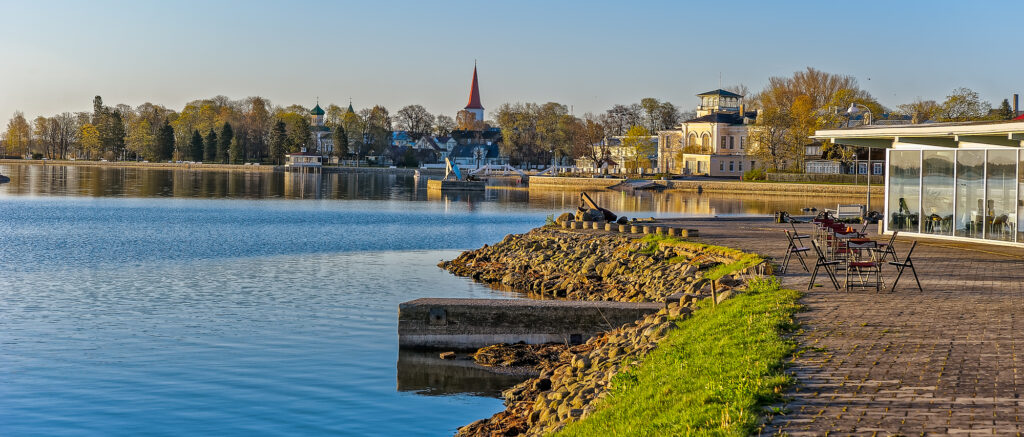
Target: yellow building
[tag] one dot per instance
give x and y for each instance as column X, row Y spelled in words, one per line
column 715, row 143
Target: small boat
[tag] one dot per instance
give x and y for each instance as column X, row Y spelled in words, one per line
column 4, row 179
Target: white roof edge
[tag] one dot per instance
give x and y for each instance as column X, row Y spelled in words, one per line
column 922, row 130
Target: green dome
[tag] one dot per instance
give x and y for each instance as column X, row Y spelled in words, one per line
column 317, row 110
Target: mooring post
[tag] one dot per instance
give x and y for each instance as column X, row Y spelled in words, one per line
column 714, row 294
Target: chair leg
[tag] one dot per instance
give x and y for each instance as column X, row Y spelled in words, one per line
column 785, row 261
column 914, row 271
column 802, row 262
column 832, row 277
column 897, row 280
column 814, row 274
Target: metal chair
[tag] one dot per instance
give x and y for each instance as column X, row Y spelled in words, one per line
column 796, row 234
column 906, row 263
column 860, row 268
column 823, row 262
column 888, row 249
column 793, row 249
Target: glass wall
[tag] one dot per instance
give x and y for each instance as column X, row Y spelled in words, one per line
column 1000, row 195
column 970, row 193
column 1020, row 201
column 937, row 192
column 904, row 190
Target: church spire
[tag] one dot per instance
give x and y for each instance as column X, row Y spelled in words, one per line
column 474, row 93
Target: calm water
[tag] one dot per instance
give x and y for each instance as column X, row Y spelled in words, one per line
column 196, row 303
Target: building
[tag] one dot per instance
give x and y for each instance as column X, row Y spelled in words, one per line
column 323, row 143
column 816, row 161
column 958, row 181
column 473, row 156
column 715, row 143
column 620, row 158
column 303, row 159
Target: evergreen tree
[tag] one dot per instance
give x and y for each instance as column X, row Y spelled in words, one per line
column 340, row 140
column 235, row 152
column 278, row 142
column 165, row 142
column 224, row 140
column 1005, row 112
column 210, row 147
column 196, row 146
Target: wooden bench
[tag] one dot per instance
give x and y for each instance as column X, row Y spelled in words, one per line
column 848, row 211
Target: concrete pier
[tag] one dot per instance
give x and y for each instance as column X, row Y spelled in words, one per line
column 434, row 184
column 475, row 323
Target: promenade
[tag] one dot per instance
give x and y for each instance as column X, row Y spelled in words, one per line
column 945, row 361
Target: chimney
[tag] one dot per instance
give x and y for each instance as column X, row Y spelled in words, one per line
column 1015, row 99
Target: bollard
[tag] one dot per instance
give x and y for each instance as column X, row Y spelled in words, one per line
column 660, row 230
column 565, row 224
column 586, row 224
column 647, row 229
column 635, row 229
column 599, row 225
column 611, row 227
column 574, row 225
column 674, row 232
column 624, row 228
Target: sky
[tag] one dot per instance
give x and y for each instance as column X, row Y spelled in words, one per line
column 589, row 55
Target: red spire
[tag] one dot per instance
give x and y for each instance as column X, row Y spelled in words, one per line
column 474, row 93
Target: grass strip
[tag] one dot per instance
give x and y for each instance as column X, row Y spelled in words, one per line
column 713, row 376
column 741, row 259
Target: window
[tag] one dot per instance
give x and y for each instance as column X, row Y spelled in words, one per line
column 904, row 186
column 741, row 165
column 970, row 193
column 937, row 191
column 743, row 140
column 723, row 142
column 752, row 166
column 721, row 166
column 1000, row 202
column 732, row 142
column 876, row 168
column 731, row 167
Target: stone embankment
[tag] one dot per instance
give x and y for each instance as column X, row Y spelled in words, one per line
column 591, row 265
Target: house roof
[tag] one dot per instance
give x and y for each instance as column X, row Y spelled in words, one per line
column 720, row 93
column 317, row 110
column 474, row 94
column 723, row 117
column 467, row 150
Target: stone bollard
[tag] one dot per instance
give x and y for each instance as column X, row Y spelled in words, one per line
column 586, row 224
column 574, row 225
column 674, row 232
column 660, row 230
column 648, row 229
column 624, row 228
column 611, row 227
column 599, row 225
column 565, row 224
column 636, row 229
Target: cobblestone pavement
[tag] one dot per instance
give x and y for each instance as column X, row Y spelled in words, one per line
column 943, row 361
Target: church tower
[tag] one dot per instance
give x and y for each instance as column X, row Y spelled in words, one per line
column 317, row 116
column 474, row 105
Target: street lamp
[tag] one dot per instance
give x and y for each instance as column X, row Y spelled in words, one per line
column 850, row 112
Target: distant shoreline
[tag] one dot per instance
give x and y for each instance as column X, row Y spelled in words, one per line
column 213, row 167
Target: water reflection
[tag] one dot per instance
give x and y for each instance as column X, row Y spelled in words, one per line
column 426, row 374
column 92, row 181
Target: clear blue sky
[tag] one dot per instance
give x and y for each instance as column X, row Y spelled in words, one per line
column 589, row 54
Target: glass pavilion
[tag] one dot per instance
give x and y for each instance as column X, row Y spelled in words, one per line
column 962, row 181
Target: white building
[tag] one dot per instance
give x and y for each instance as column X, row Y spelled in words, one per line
column 715, row 143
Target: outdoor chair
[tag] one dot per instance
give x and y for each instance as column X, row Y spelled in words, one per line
column 794, row 249
column 906, row 263
column 888, row 249
column 823, row 262
column 796, row 234
column 862, row 268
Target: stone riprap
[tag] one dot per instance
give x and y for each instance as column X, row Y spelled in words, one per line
column 592, row 265
column 569, row 391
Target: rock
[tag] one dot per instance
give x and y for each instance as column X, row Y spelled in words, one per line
column 447, row 355
column 564, row 217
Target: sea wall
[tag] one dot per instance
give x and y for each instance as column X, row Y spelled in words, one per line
column 218, row 167
column 591, row 265
column 711, row 186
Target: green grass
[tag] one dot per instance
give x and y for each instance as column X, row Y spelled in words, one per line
column 713, row 376
column 741, row 259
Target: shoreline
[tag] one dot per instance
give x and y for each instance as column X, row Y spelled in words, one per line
column 598, row 265
column 214, row 167
column 709, row 186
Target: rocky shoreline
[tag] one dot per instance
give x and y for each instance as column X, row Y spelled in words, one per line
column 591, row 265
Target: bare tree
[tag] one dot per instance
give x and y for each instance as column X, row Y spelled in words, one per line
column 414, row 119
column 443, row 125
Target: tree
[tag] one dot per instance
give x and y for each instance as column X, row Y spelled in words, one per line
column 224, row 141
column 588, row 141
column 443, row 125
column 210, row 147
column 165, row 142
column 920, row 111
column 520, row 139
column 414, row 119
column 638, row 143
column 354, row 127
column 1005, row 112
column 140, row 140
column 18, row 135
column 340, row 140
column 554, row 128
column 964, row 104
column 332, row 116
column 89, row 137
column 669, row 116
column 235, row 152
column 769, row 135
column 196, row 146
column 278, row 142
column 67, row 133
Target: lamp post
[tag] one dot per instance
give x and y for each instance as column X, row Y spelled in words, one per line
column 850, row 112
